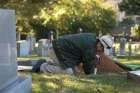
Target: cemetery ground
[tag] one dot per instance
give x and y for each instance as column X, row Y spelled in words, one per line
column 100, row 83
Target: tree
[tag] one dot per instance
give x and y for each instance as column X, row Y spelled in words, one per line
column 135, row 31
column 67, row 16
column 131, row 7
column 126, row 25
column 25, row 10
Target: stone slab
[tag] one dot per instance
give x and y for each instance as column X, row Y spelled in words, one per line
column 26, row 65
column 20, row 85
column 25, row 68
column 9, row 81
column 8, row 64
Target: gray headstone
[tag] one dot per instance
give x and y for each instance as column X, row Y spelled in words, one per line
column 129, row 49
column 8, row 64
column 52, row 36
column 31, row 40
column 122, row 46
column 114, row 51
column 44, row 45
column 24, row 48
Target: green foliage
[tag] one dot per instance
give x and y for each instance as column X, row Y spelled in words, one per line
column 69, row 16
column 127, row 22
column 100, row 83
column 131, row 7
column 126, row 25
column 40, row 30
column 66, row 16
column 135, row 31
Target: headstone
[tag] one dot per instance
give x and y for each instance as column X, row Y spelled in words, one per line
column 9, row 81
column 51, row 36
column 108, row 52
column 129, row 50
column 57, row 34
column 114, row 51
column 31, row 40
column 122, row 46
column 24, row 49
column 43, row 47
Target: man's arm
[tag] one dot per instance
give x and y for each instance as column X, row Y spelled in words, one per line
column 88, row 67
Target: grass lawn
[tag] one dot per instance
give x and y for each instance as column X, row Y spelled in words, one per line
column 31, row 57
column 130, row 60
column 100, row 83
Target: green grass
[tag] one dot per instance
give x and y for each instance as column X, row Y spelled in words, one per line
column 130, row 60
column 30, row 57
column 101, row 83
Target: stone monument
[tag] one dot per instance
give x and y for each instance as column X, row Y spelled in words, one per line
column 129, row 49
column 43, row 47
column 24, row 49
column 9, row 81
column 122, row 46
column 31, row 40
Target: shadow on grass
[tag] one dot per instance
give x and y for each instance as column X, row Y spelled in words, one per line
column 115, row 83
column 135, row 57
column 102, row 83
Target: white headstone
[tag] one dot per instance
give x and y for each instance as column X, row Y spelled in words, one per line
column 8, row 64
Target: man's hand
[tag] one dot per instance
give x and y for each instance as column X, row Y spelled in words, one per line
column 78, row 70
column 97, row 56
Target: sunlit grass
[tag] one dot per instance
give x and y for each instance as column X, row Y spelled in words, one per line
column 135, row 59
column 30, row 57
column 101, row 83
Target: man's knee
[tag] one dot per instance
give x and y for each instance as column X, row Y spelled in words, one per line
column 43, row 67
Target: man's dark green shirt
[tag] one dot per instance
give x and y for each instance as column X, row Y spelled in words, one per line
column 71, row 50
